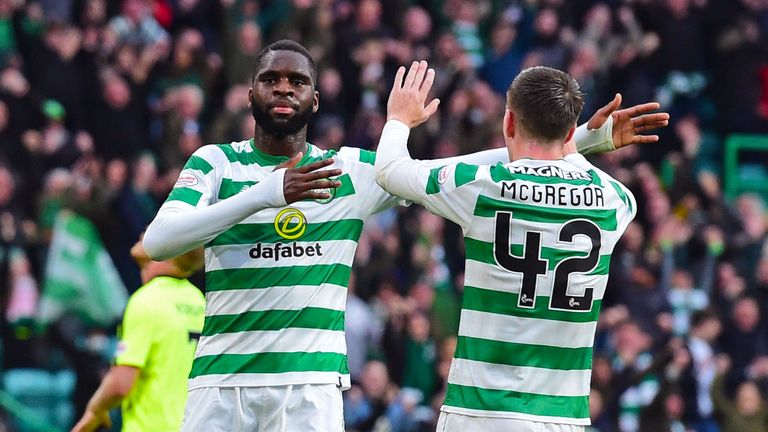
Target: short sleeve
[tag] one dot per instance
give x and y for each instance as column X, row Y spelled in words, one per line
column 136, row 335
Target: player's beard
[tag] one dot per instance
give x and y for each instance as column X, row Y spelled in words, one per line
column 280, row 128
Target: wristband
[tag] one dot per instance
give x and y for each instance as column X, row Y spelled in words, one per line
column 598, row 140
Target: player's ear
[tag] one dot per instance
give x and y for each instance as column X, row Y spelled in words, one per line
column 250, row 97
column 509, row 124
column 316, row 102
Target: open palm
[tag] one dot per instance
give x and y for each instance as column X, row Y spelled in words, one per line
column 628, row 123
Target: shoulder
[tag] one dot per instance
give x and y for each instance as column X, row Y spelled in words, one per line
column 356, row 161
column 622, row 193
column 456, row 176
column 357, row 155
column 236, row 151
column 142, row 303
column 192, row 292
column 211, row 156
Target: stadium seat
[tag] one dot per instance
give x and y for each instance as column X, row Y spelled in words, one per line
column 745, row 175
column 46, row 394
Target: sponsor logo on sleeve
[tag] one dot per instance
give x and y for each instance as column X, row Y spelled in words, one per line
column 122, row 347
column 442, row 175
column 186, row 180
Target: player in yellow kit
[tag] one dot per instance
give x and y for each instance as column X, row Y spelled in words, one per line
column 161, row 325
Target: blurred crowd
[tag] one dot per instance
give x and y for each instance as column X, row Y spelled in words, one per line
column 101, row 103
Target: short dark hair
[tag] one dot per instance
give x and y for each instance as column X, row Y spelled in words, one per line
column 285, row 45
column 702, row 316
column 546, row 102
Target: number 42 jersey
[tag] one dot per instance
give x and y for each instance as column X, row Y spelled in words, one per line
column 539, row 236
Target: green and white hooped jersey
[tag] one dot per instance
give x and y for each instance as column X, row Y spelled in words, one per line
column 276, row 283
column 539, row 236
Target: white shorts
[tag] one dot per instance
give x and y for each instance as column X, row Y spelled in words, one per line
column 291, row 408
column 450, row 422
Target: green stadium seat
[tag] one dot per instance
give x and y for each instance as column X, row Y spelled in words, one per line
column 741, row 176
column 45, row 394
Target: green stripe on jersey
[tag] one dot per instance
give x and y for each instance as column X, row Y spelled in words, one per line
column 345, row 229
column 433, row 186
column 501, row 173
column 511, row 401
column 258, row 278
column 346, row 188
column 464, row 174
column 595, row 178
column 256, row 156
column 505, row 303
column 231, row 188
column 518, row 354
column 624, row 197
column 272, row 362
column 198, row 163
column 309, row 318
column 487, row 207
column 184, row 194
column 243, row 157
column 480, row 251
column 367, row 156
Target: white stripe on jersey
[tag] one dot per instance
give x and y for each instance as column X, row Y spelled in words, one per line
column 532, row 331
column 233, row 302
column 283, row 340
column 519, row 378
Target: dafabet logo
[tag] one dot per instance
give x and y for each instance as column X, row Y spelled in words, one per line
column 290, row 224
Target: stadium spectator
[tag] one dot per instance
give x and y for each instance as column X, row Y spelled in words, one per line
column 748, row 411
column 744, row 340
column 135, row 25
column 362, row 331
column 696, row 381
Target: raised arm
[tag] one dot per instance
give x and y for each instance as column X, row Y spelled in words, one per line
column 609, row 129
column 396, row 172
column 180, row 227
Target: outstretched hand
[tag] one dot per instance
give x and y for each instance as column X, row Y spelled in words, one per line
column 628, row 123
column 407, row 100
column 308, row 181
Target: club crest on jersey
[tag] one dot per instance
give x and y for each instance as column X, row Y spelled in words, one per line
column 329, row 191
column 290, row 223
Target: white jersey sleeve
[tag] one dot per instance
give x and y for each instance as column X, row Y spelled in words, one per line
column 372, row 198
column 446, row 190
